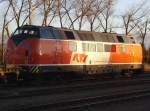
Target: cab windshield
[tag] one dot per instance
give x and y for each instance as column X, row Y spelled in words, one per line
column 26, row 32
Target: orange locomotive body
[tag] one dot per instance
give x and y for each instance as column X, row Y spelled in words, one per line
column 38, row 49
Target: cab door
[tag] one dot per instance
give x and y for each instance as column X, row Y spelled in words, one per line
column 26, row 60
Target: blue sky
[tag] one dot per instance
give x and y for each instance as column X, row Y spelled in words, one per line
column 122, row 5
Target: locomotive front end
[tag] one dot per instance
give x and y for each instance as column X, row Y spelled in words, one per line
column 22, row 47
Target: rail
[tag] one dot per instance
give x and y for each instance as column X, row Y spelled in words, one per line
column 76, row 97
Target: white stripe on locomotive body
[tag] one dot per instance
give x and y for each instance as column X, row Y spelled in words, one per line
column 78, row 64
column 93, row 58
column 89, row 57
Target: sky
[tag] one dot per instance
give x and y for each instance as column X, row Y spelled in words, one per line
column 120, row 7
column 122, row 4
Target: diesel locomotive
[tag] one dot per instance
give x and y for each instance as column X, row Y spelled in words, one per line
column 42, row 49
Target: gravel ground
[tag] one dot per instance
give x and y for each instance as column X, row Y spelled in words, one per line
column 142, row 104
column 28, row 101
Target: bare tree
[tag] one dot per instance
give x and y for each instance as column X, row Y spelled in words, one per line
column 133, row 16
column 59, row 12
column 67, row 6
column 136, row 20
column 96, row 9
column 4, row 28
column 143, row 28
column 29, row 7
column 104, row 17
column 72, row 12
column 30, row 11
column 17, row 9
column 82, row 7
column 47, row 8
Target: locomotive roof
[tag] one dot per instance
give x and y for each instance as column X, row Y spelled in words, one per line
column 86, row 35
column 65, row 29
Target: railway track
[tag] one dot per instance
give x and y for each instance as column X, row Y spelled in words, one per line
column 73, row 96
column 83, row 103
column 74, row 87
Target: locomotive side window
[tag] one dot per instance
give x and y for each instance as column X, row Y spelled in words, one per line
column 107, row 48
column 85, row 46
column 72, row 46
column 31, row 32
column 69, row 35
column 46, row 33
column 120, row 39
column 57, row 34
column 17, row 32
column 110, row 48
column 122, row 49
column 25, row 31
column 99, row 47
column 92, row 47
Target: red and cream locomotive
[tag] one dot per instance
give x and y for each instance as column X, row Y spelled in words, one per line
column 39, row 49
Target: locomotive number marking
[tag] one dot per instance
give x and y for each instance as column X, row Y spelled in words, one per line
column 79, row 57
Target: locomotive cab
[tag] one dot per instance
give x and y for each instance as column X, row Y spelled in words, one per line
column 22, row 45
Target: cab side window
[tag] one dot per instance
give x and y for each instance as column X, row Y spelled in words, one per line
column 69, row 35
column 92, row 47
column 72, row 46
column 107, row 48
column 99, row 47
column 46, row 33
column 85, row 46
